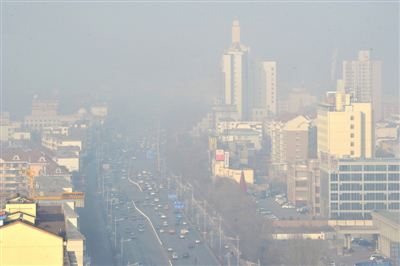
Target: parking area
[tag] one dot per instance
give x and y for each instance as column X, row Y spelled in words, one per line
column 334, row 252
column 281, row 213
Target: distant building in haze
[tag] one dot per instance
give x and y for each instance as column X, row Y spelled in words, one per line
column 247, row 84
column 363, row 79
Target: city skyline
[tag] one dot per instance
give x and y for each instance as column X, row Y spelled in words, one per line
column 43, row 51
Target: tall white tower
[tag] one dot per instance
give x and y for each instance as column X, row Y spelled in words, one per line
column 363, row 79
column 235, row 68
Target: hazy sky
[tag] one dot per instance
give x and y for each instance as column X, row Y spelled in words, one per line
column 177, row 47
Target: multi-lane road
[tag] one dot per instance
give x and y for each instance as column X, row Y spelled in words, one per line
column 153, row 245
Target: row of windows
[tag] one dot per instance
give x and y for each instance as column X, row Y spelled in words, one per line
column 367, row 206
column 377, row 168
column 367, row 187
column 367, row 177
column 367, row 196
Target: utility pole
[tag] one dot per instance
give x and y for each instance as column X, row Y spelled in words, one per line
column 238, row 252
column 220, row 237
column 192, row 203
column 211, row 238
column 158, row 149
column 205, row 221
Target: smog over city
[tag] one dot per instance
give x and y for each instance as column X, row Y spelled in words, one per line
column 199, row 133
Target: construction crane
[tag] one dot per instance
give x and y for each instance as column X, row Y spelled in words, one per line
column 80, row 196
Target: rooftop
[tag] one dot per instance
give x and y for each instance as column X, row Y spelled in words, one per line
column 393, row 216
column 74, row 233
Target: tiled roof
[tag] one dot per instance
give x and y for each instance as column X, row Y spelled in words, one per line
column 286, row 117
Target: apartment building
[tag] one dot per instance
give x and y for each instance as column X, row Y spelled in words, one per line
column 345, row 129
column 289, row 139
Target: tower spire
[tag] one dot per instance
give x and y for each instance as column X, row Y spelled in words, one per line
column 235, row 31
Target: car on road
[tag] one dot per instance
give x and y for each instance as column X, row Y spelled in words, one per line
column 133, row 236
column 185, row 255
column 127, row 230
column 165, row 224
column 175, row 255
column 163, row 216
column 170, row 249
column 197, row 241
column 162, row 231
column 190, row 245
column 182, row 236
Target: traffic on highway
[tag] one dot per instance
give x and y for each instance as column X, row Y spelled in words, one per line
column 144, row 208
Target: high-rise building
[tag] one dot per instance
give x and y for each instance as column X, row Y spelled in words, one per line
column 345, row 129
column 235, row 68
column 248, row 84
column 363, row 78
column 263, row 87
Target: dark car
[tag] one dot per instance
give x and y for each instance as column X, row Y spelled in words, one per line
column 364, row 243
column 185, row 255
column 190, row 245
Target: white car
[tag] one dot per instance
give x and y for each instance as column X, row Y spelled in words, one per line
column 162, row 231
column 170, row 249
column 163, row 216
column 182, row 236
column 197, row 241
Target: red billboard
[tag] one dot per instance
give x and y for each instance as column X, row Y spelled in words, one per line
column 219, row 155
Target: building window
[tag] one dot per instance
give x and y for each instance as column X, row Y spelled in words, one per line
column 356, row 168
column 351, row 135
column 334, row 187
column 380, row 177
column 369, row 187
column 380, row 196
column 393, row 186
column 369, row 196
column 352, row 144
column 394, row 177
column 369, row 168
column 334, row 206
column 16, row 158
column 394, row 196
column 344, row 177
column 345, row 196
column 394, row 168
column 380, row 167
column 369, row 206
column 380, row 186
column 334, row 177
column 369, row 177
column 334, row 196
column 345, row 187
column 394, row 206
column 344, row 168
column 380, row 206
column 351, row 152
column 351, row 117
column 351, row 126
column 345, row 206
column 356, row 177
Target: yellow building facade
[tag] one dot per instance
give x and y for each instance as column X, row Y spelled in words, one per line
column 346, row 129
column 23, row 244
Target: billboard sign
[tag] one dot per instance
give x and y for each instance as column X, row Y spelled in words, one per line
column 171, row 196
column 226, row 159
column 179, row 205
column 219, row 155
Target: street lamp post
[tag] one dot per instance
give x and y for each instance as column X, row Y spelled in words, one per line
column 115, row 230
column 122, row 249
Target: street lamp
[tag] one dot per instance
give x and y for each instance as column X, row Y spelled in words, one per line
column 237, row 248
column 122, row 248
column 115, row 230
column 220, row 235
